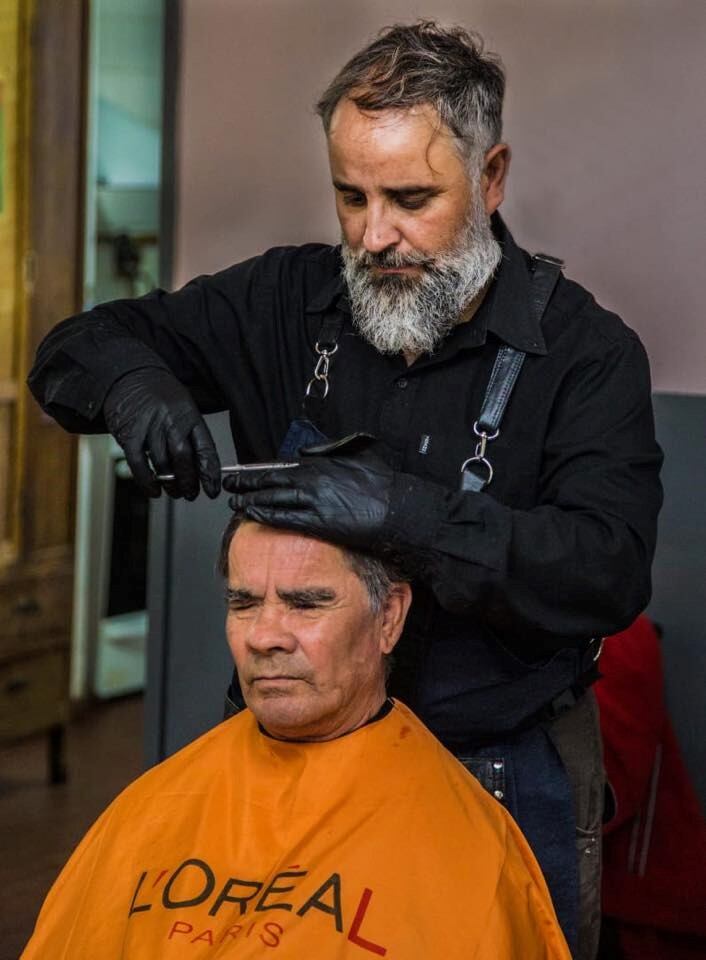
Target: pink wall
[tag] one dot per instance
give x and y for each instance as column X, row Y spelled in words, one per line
column 604, row 113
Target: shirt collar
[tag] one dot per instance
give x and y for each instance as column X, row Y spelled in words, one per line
column 509, row 314
column 505, row 311
column 331, row 292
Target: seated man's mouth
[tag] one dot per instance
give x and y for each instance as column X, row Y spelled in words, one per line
column 281, row 678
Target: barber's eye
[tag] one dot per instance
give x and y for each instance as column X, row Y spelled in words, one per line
column 413, row 202
column 354, row 199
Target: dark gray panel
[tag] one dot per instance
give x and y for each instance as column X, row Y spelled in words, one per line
column 189, row 666
column 679, row 572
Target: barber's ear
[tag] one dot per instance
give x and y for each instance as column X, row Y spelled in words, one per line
column 494, row 176
column 394, row 614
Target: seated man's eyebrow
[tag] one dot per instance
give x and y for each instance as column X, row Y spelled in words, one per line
column 237, row 595
column 308, row 597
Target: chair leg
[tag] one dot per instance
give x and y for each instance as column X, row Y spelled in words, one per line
column 56, row 743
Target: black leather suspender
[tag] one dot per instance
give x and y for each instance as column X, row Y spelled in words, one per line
column 477, row 471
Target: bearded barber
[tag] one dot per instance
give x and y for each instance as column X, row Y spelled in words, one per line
column 514, row 455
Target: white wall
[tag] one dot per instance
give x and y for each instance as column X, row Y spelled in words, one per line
column 604, row 113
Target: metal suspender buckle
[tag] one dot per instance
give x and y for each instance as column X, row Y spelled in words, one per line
column 479, row 455
column 321, row 370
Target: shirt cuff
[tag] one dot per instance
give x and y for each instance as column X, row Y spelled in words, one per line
column 84, row 390
column 470, row 527
column 416, row 510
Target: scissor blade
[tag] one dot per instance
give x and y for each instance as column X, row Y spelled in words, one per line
column 236, row 468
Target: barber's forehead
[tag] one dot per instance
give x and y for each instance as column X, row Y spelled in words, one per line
column 422, row 115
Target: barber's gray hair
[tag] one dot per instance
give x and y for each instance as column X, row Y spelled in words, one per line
column 377, row 575
column 425, row 63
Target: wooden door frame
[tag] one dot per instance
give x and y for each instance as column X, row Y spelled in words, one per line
column 55, row 261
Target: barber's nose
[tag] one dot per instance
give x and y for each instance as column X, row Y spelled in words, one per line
column 380, row 230
column 269, row 630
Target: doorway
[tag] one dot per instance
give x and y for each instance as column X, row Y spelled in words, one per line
column 122, row 258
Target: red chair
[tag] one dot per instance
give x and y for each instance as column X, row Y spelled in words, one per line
column 654, row 879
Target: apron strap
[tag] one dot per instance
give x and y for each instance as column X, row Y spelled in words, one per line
column 330, row 331
column 477, row 471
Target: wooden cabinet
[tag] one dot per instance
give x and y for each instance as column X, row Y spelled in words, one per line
column 33, row 605
column 41, row 53
column 30, row 688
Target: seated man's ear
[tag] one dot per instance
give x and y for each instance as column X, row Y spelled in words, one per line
column 394, row 614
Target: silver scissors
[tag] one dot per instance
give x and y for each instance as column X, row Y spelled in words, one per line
column 236, row 468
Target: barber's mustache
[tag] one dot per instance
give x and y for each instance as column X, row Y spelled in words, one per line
column 392, row 259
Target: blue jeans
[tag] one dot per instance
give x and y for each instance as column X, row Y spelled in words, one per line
column 527, row 775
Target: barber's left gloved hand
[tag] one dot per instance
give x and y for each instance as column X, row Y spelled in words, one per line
column 340, row 492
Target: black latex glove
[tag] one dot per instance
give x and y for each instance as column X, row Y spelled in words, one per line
column 340, row 492
column 149, row 411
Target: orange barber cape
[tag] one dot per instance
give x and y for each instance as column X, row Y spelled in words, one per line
column 378, row 844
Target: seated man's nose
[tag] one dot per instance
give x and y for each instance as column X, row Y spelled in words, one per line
column 269, row 631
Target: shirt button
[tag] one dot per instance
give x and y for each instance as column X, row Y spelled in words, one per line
column 402, row 383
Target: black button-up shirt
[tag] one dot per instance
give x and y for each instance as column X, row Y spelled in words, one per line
column 555, row 551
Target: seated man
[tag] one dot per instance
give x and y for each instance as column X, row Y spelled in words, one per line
column 324, row 821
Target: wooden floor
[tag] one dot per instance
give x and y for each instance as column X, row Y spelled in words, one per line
column 40, row 825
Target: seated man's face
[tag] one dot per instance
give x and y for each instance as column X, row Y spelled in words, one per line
column 307, row 645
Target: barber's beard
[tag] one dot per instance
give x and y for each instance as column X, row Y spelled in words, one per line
column 413, row 314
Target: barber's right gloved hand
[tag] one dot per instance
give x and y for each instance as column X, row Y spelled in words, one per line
column 149, row 412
